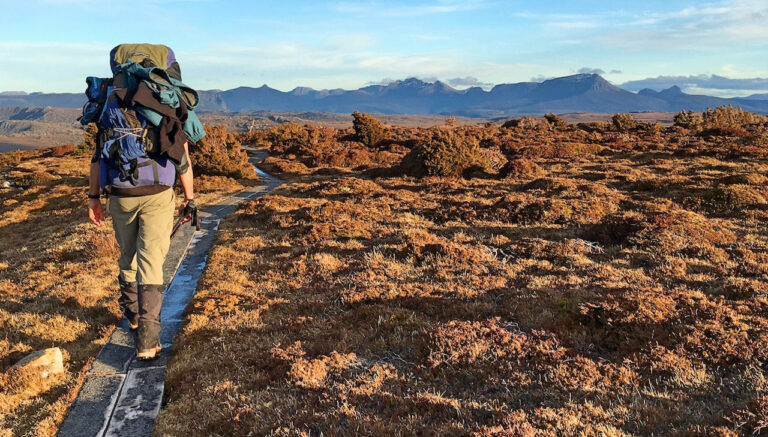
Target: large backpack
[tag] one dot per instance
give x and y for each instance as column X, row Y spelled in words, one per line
column 128, row 156
column 146, row 55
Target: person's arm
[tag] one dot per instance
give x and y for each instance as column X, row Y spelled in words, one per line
column 186, row 180
column 95, row 213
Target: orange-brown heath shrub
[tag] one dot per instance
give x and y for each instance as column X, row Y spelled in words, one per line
column 444, row 153
column 219, row 154
column 368, row 130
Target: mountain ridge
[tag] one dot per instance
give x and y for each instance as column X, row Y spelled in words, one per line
column 575, row 93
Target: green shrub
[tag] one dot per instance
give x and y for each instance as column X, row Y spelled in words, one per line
column 368, row 130
column 219, row 153
column 444, row 153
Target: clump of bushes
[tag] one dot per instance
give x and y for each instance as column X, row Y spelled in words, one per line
column 510, row 124
column 732, row 198
column 530, row 210
column 729, row 117
column 527, row 123
column 521, row 168
column 688, row 119
column 368, row 130
column 287, row 138
column 623, row 122
column 555, row 121
column 721, row 121
column 219, row 153
column 593, row 126
column 444, row 153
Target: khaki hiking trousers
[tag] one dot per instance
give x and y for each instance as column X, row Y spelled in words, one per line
column 143, row 227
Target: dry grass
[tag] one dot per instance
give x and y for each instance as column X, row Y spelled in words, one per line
column 57, row 286
column 621, row 291
column 58, row 281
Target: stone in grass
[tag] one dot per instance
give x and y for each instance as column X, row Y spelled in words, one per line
column 46, row 363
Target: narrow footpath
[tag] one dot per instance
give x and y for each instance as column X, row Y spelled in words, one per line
column 121, row 396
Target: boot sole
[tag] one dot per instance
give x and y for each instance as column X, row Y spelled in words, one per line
column 149, row 353
column 133, row 326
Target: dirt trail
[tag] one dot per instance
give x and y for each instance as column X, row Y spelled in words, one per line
column 121, row 396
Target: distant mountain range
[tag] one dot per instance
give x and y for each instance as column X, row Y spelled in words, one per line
column 577, row 93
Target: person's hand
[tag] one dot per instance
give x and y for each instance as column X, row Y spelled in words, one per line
column 186, row 207
column 95, row 213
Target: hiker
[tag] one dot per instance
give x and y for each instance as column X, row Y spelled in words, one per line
column 146, row 120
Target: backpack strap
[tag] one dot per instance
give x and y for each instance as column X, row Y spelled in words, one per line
column 155, row 173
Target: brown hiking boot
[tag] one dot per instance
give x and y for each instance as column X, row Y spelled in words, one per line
column 148, row 341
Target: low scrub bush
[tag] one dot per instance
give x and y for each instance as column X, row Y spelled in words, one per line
column 511, row 124
column 530, row 210
column 62, row 150
column 219, row 154
column 689, row 120
column 368, row 130
column 555, row 121
column 623, row 122
column 732, row 198
column 729, row 117
column 347, row 157
column 533, row 123
column 287, row 138
column 444, row 153
column 521, row 168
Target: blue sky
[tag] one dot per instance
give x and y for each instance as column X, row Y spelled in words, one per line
column 51, row 45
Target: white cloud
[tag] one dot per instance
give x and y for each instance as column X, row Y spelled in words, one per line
column 468, row 81
column 709, row 26
column 713, row 85
column 588, row 70
column 702, row 28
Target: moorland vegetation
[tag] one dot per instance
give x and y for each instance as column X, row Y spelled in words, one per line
column 530, row 277
column 522, row 278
